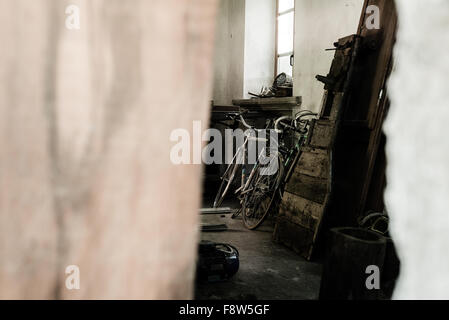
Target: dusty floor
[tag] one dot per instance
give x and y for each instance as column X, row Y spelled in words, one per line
column 267, row 270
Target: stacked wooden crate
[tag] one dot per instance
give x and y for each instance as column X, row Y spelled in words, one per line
column 306, row 193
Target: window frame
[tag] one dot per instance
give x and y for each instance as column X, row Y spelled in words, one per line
column 278, row 55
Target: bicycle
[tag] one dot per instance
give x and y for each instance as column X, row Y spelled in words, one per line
column 238, row 161
column 259, row 189
column 264, row 190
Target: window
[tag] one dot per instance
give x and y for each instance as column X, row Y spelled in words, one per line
column 285, row 26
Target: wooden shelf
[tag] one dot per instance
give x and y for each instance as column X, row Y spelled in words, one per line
column 283, row 105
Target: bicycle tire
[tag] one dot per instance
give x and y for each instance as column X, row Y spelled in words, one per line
column 252, row 202
column 225, row 184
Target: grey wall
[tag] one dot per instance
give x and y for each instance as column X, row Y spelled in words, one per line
column 245, row 48
column 318, row 24
column 260, row 50
column 229, row 52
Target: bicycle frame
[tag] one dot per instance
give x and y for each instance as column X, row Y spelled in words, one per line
column 240, row 158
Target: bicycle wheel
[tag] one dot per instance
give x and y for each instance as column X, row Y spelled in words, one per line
column 226, row 182
column 259, row 200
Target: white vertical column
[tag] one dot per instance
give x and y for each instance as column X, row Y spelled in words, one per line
column 417, row 195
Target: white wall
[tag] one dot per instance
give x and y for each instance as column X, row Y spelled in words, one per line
column 245, row 45
column 245, row 48
column 260, row 35
column 229, row 52
column 318, row 24
column 418, row 150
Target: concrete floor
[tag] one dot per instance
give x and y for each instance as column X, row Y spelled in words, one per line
column 268, row 271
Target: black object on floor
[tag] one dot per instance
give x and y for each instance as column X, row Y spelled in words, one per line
column 217, row 262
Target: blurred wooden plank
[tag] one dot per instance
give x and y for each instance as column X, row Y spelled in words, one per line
column 86, row 176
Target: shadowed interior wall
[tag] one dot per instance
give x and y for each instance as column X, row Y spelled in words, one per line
column 85, row 171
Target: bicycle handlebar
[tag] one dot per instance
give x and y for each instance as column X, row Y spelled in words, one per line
column 278, row 121
column 244, row 123
column 238, row 116
column 298, row 118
